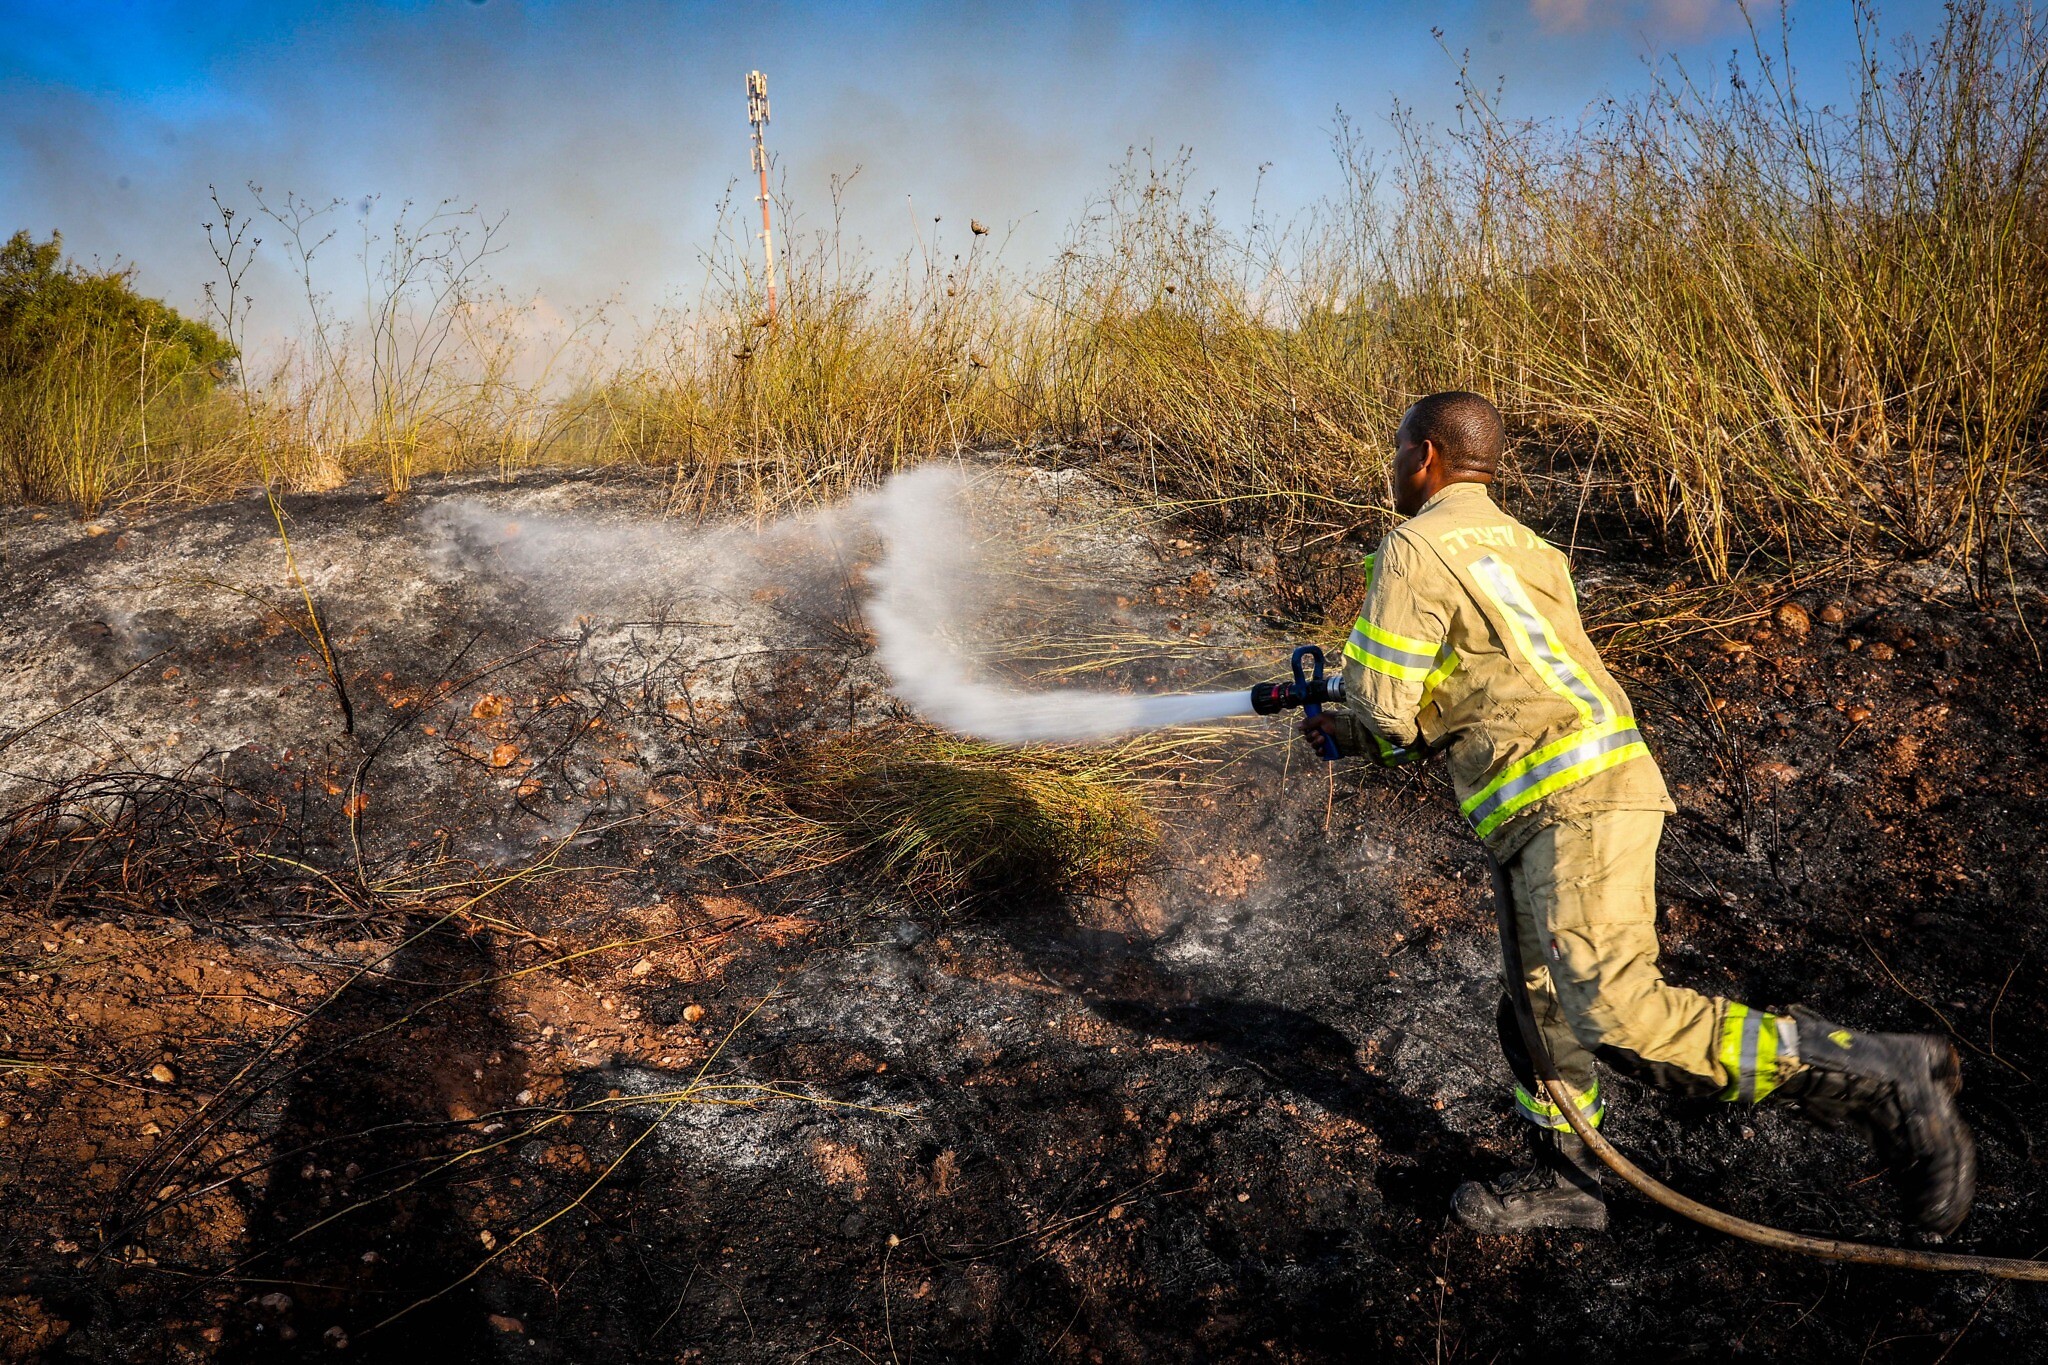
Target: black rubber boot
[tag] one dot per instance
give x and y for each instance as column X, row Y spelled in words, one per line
column 1560, row 1190
column 1899, row 1089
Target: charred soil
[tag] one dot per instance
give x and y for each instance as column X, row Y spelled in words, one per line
column 452, row 1025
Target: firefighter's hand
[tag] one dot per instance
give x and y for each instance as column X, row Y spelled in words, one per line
column 1314, row 727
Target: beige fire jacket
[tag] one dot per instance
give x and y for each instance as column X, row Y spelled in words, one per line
column 1470, row 639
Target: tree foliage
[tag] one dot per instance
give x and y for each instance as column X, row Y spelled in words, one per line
column 85, row 360
column 47, row 307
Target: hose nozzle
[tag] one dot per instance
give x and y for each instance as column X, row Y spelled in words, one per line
column 1270, row 699
column 1309, row 689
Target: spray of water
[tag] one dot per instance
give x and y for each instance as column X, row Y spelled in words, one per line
column 920, row 603
column 928, row 554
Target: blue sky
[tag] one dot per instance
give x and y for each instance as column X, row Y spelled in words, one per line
column 606, row 132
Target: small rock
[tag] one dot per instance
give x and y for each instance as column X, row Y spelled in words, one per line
column 336, row 1338
column 276, row 1303
column 692, row 1013
column 163, row 1075
column 460, row 1112
column 64, row 1247
column 1833, row 614
column 1775, row 773
column 503, row 1323
column 1882, row 652
column 1858, row 714
column 1793, row 619
column 643, row 966
column 489, row 1239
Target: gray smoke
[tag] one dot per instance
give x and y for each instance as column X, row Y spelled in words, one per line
column 921, row 601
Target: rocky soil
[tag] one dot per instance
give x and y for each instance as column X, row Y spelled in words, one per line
column 449, row 1025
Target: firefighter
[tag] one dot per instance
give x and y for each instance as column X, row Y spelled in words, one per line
column 1469, row 643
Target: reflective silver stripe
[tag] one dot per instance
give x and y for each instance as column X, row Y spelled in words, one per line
column 1752, row 1029
column 1401, row 658
column 1544, row 1114
column 1549, row 655
column 1570, row 758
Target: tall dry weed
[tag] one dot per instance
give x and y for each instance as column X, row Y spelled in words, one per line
column 1747, row 325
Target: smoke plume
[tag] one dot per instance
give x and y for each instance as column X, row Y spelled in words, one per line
column 922, row 599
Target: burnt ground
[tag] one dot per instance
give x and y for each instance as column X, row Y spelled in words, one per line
column 457, row 1027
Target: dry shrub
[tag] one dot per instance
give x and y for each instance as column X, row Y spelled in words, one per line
column 950, row 819
column 1749, row 325
column 1785, row 327
column 859, row 376
column 185, row 845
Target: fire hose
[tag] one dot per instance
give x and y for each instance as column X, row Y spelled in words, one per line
column 1825, row 1248
column 1309, row 689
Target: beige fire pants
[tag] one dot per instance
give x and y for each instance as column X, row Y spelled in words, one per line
column 1586, row 902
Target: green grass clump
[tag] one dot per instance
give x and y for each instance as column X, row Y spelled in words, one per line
column 954, row 819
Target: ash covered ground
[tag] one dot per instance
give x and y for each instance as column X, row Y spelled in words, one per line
column 449, row 1024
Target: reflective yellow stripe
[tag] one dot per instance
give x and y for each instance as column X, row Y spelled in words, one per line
column 1551, row 768
column 1539, row 643
column 1406, row 644
column 1544, row 1114
column 1749, row 1053
column 1612, row 758
column 1383, row 651
column 1540, row 757
column 1446, row 664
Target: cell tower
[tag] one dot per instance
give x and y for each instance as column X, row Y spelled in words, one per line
column 757, row 114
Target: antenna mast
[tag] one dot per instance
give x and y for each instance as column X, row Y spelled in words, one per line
column 757, row 114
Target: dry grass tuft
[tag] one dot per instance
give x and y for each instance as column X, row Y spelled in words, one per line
column 952, row 819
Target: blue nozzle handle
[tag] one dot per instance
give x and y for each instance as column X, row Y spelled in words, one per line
column 1312, row 709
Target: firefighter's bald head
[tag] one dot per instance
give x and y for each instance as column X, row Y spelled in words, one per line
column 1446, row 438
column 1465, row 428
